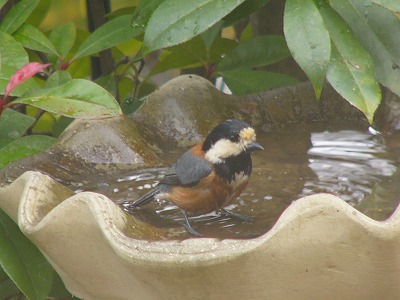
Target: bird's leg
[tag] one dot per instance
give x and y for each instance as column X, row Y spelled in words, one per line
column 189, row 228
column 236, row 215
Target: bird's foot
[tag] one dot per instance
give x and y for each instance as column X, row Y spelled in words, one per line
column 236, row 215
column 188, row 227
column 191, row 230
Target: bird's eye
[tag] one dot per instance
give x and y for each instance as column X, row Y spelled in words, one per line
column 233, row 138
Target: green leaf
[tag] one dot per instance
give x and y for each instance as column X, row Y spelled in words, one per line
column 242, row 82
column 247, row 33
column 13, row 56
column 192, row 54
column 8, row 288
column 177, row 21
column 40, row 13
column 59, row 291
column 23, row 262
column 109, row 83
column 308, row 40
column 353, row 85
column 58, row 78
column 112, row 33
column 18, row 15
column 32, row 38
column 23, row 147
column 3, row 275
column 143, row 12
column 13, row 125
column 245, row 9
column 370, row 25
column 63, row 38
column 393, row 5
column 351, row 70
column 211, row 34
column 2, row 2
column 60, row 125
column 130, row 105
column 77, row 98
column 256, row 52
column 219, row 48
column 187, row 55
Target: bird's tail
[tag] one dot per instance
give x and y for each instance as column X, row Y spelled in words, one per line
column 146, row 198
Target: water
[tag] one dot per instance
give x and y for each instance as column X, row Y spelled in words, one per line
column 352, row 162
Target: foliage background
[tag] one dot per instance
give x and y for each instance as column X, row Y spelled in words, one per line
column 98, row 58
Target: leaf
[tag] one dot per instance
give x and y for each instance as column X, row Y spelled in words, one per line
column 219, row 48
column 58, row 78
column 60, row 125
column 13, row 57
column 40, row 13
column 245, row 9
column 2, row 2
column 8, row 288
column 23, row 74
column 23, row 262
column 360, row 90
column 112, row 33
column 242, row 82
column 247, row 33
column 256, row 52
column 13, row 125
column 63, row 38
column 351, row 71
column 211, row 34
column 143, row 12
column 59, row 291
column 393, row 5
column 192, row 54
column 17, row 15
column 177, row 21
column 12, row 53
column 308, row 40
column 23, row 147
column 130, row 105
column 3, row 275
column 77, row 98
column 32, row 38
column 109, row 83
column 370, row 25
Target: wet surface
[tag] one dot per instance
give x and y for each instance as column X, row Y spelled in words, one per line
column 352, row 162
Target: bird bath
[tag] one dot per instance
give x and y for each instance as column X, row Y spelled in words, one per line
column 321, row 246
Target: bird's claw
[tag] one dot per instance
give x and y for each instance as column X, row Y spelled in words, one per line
column 191, row 230
column 244, row 218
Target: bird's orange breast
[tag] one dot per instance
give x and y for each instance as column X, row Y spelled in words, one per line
column 210, row 194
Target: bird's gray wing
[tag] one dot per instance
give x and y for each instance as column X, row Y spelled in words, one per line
column 188, row 170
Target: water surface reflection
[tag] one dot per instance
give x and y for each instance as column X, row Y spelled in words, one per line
column 355, row 164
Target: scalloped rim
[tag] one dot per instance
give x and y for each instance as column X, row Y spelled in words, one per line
column 111, row 219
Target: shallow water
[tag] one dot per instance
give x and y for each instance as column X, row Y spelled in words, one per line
column 352, row 162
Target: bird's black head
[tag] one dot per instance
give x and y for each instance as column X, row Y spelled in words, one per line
column 229, row 139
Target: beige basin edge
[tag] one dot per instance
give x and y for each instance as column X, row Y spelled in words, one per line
column 319, row 237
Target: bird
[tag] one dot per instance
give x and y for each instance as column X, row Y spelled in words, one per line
column 210, row 175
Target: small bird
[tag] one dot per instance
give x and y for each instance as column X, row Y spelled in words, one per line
column 210, row 175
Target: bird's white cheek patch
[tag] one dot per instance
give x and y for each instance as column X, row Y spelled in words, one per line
column 222, row 149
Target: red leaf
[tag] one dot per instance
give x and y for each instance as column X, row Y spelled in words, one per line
column 23, row 74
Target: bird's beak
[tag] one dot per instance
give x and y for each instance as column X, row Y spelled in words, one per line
column 254, row 146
